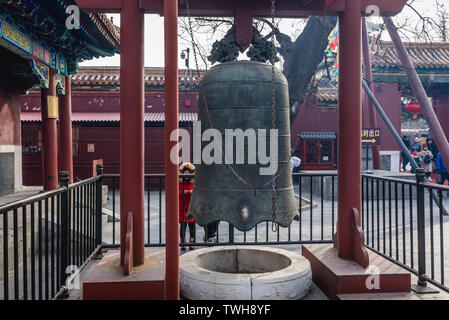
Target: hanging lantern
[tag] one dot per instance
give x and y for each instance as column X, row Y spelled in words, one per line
column 413, row 107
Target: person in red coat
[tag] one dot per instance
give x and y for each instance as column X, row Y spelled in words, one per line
column 185, row 194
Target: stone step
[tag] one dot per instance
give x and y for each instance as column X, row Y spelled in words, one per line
column 336, row 276
column 378, row 296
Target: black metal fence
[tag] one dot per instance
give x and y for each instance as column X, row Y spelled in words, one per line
column 404, row 221
column 47, row 237
column 317, row 212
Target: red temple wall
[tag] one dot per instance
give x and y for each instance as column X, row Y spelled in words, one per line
column 325, row 118
column 9, row 117
column 105, row 101
column 441, row 106
column 10, row 141
column 389, row 98
column 105, row 137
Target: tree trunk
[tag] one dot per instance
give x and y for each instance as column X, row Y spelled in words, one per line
column 303, row 57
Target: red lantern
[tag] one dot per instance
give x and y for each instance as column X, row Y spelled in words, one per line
column 413, row 107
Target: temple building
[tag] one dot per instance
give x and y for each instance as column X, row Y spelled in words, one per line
column 96, row 107
column 108, row 220
column 41, row 47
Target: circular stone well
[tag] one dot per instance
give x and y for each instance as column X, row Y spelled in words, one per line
column 244, row 273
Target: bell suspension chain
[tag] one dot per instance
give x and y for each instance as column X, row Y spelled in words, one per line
column 209, row 118
column 273, row 105
column 274, row 226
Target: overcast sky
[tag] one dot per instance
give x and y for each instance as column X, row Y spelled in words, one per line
column 154, row 34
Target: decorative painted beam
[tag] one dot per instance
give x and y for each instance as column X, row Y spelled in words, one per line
column 21, row 44
column 41, row 71
column 60, row 83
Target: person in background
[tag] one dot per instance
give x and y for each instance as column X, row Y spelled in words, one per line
column 185, row 195
column 425, row 161
column 442, row 169
column 296, row 162
column 415, row 155
column 405, row 160
column 432, row 147
column 416, row 144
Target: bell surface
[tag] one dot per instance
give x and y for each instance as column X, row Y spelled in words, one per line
column 238, row 95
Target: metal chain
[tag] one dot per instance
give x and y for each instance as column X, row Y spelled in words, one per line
column 273, row 115
column 206, row 109
column 274, row 226
column 189, row 19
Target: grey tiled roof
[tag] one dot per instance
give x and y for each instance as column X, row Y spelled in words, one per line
column 422, row 55
column 317, row 135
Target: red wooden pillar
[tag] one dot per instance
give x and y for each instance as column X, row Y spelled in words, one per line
column 369, row 105
column 349, row 127
column 171, row 165
column 49, row 135
column 132, row 126
column 65, row 130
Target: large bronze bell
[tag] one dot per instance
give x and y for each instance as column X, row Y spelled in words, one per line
column 238, row 95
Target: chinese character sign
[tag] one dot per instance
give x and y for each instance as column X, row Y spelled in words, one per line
column 370, row 136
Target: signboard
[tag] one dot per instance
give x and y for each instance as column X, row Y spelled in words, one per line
column 94, row 166
column 370, row 136
column 52, row 107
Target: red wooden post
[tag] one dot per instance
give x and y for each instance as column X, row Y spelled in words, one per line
column 65, row 130
column 132, row 126
column 349, row 128
column 369, row 77
column 171, row 165
column 49, row 135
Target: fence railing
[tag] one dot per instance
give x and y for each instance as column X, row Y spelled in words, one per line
column 404, row 221
column 54, row 233
column 317, row 211
column 47, row 237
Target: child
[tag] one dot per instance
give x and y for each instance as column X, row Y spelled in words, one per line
column 185, row 194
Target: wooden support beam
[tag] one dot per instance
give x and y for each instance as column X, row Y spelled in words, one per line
column 49, row 106
column 104, row 6
column 171, row 151
column 132, row 166
column 369, row 77
column 65, row 130
column 349, row 143
column 284, row 8
column 419, row 92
